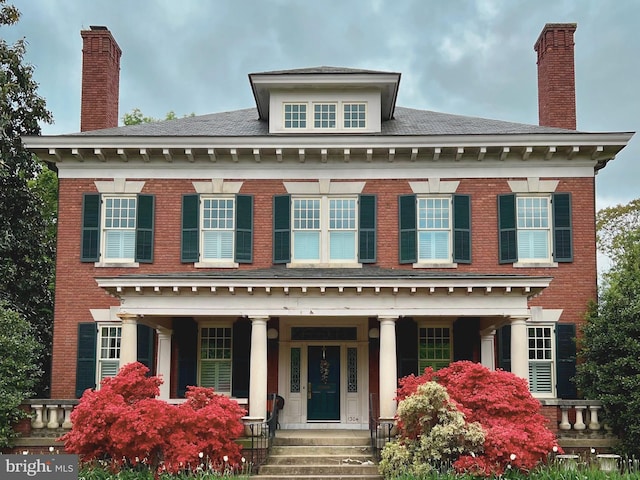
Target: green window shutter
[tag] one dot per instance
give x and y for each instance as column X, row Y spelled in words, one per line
column 367, row 229
column 507, row 245
column 190, row 228
column 462, row 228
column 86, row 359
column 90, row 242
column 281, row 228
column 562, row 232
column 144, row 229
column 145, row 338
column 407, row 224
column 504, row 348
column 566, row 360
column 244, row 229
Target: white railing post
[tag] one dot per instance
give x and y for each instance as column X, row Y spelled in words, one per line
column 52, row 411
column 594, row 423
column 37, row 421
column 564, row 421
column 580, row 425
column 67, row 416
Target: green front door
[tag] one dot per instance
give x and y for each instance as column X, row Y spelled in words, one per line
column 323, row 395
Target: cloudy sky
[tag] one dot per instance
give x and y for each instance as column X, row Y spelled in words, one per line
column 458, row 56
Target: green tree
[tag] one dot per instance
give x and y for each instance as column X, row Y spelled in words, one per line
column 136, row 117
column 26, row 238
column 613, row 223
column 610, row 346
column 19, row 373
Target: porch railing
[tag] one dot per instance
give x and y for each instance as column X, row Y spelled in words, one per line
column 380, row 431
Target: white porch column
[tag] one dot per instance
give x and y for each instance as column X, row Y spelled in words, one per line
column 388, row 367
column 128, row 339
column 258, row 368
column 519, row 347
column 487, row 348
column 163, row 361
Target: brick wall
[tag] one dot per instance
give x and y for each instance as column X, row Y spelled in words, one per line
column 573, row 285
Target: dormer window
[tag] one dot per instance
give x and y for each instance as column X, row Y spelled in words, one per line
column 295, row 115
column 324, row 115
column 355, row 115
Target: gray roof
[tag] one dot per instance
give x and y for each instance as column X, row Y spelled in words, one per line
column 245, row 123
column 322, row 69
column 366, row 272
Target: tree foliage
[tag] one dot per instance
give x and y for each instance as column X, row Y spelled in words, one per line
column 610, row 346
column 19, row 373
column 136, row 117
column 26, row 238
column 515, row 432
column 126, row 424
column 613, row 224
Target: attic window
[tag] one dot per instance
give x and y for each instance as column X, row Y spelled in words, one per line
column 295, row 115
column 355, row 115
column 324, row 115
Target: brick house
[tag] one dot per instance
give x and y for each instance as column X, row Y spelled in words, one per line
column 324, row 243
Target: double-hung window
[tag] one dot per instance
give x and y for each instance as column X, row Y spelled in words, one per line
column 324, row 229
column 108, row 351
column 435, row 229
column 535, row 228
column 217, row 229
column 434, row 347
column 215, row 358
column 541, row 359
column 117, row 229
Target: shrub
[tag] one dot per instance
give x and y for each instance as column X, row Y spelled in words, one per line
column 125, row 424
column 515, row 431
column 433, row 432
column 19, row 371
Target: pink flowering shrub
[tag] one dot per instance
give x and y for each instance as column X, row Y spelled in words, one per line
column 124, row 423
column 515, row 430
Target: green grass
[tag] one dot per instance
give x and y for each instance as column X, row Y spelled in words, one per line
column 97, row 472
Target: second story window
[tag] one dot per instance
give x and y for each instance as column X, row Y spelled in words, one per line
column 117, row 229
column 535, row 228
column 324, row 115
column 435, row 229
column 217, row 229
column 324, row 229
column 355, row 115
column 295, row 115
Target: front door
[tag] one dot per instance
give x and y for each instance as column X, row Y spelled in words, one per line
column 323, row 394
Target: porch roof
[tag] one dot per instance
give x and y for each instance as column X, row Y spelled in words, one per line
column 367, row 291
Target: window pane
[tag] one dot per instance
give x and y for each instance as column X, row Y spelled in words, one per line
column 119, row 228
column 342, row 245
column 306, row 245
column 324, row 115
column 217, row 245
column 533, row 244
column 295, row 115
column 354, row 115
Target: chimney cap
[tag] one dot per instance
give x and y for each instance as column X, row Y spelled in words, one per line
column 98, row 27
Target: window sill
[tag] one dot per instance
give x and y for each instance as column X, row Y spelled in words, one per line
column 535, row 265
column 435, row 265
column 116, row 264
column 216, row 265
column 324, row 265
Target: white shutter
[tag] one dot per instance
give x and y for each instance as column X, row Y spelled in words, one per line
column 217, row 245
column 216, row 374
column 342, row 245
column 540, row 377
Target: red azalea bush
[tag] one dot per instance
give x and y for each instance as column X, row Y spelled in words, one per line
column 515, row 430
column 124, row 423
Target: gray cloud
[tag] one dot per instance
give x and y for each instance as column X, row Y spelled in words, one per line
column 463, row 57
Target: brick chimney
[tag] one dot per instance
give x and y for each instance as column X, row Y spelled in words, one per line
column 556, row 76
column 100, row 79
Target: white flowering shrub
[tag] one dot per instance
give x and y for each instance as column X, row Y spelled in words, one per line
column 432, row 432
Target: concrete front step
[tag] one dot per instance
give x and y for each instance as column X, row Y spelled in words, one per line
column 320, row 455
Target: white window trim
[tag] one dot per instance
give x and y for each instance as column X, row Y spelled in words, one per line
column 537, row 262
column 210, row 324
column 366, row 115
column 324, row 260
column 431, row 262
column 553, row 360
column 214, row 262
column 114, row 262
column 99, row 359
